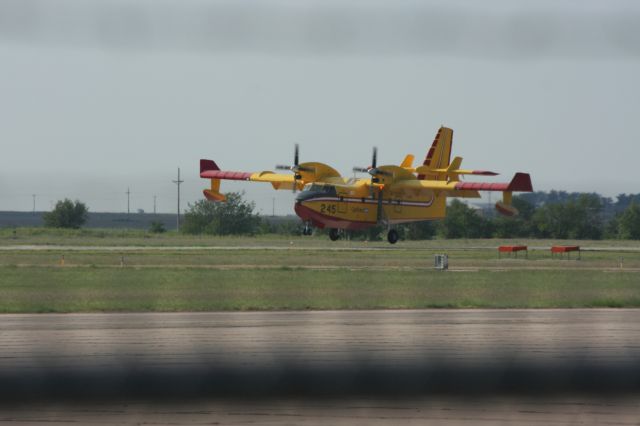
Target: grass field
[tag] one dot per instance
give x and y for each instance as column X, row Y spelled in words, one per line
column 121, row 272
column 123, row 237
column 37, row 289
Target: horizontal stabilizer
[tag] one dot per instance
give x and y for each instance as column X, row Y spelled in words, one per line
column 478, row 172
column 453, row 170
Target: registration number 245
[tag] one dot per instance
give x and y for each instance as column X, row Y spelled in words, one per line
column 328, row 208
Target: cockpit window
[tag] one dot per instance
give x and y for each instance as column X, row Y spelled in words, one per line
column 324, row 189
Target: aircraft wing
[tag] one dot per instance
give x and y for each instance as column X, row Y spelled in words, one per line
column 277, row 180
column 310, row 172
column 521, row 182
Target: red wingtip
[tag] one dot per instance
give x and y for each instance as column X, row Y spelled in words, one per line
column 206, row 165
column 521, row 182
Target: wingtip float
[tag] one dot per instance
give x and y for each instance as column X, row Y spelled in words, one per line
column 390, row 195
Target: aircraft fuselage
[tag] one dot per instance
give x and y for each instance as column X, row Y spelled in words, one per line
column 324, row 207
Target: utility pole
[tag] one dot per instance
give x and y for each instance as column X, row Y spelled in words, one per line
column 178, row 182
column 128, row 197
column 154, row 204
column 34, row 203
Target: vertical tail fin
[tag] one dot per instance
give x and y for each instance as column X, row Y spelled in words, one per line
column 439, row 155
column 212, row 194
column 407, row 163
column 206, row 165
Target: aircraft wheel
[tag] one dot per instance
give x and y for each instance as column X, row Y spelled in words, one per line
column 307, row 231
column 393, row 236
column 334, row 235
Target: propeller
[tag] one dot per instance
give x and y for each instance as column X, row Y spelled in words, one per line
column 373, row 170
column 296, row 168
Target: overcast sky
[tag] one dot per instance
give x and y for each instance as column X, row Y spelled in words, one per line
column 99, row 96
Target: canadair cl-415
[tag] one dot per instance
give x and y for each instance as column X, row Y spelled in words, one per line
column 390, row 195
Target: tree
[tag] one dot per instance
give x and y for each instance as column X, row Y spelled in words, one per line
column 67, row 214
column 157, row 227
column 629, row 222
column 464, row 222
column 233, row 217
column 518, row 226
column 424, row 230
column 578, row 218
column 550, row 221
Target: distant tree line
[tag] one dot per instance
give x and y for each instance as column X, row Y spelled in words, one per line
column 233, row 217
column 554, row 214
column 67, row 214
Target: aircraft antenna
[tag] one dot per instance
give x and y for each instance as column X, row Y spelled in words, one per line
column 178, row 182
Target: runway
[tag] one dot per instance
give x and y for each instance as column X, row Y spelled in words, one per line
column 337, row 367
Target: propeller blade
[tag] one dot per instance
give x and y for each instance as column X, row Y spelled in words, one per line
column 373, row 172
column 360, row 170
column 306, row 169
column 296, row 155
column 374, row 160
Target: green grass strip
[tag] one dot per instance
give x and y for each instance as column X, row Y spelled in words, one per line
column 98, row 289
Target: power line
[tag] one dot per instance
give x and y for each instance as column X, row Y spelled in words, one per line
column 178, row 182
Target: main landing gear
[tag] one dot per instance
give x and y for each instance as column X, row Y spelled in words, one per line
column 307, row 230
column 392, row 235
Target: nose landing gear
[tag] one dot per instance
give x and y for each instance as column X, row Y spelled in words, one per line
column 334, row 234
column 307, row 230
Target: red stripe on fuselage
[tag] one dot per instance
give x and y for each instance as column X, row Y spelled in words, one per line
column 321, row 221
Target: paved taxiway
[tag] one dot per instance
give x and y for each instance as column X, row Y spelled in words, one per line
column 320, row 338
column 365, row 359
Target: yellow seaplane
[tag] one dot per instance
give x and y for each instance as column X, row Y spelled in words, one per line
column 390, row 195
